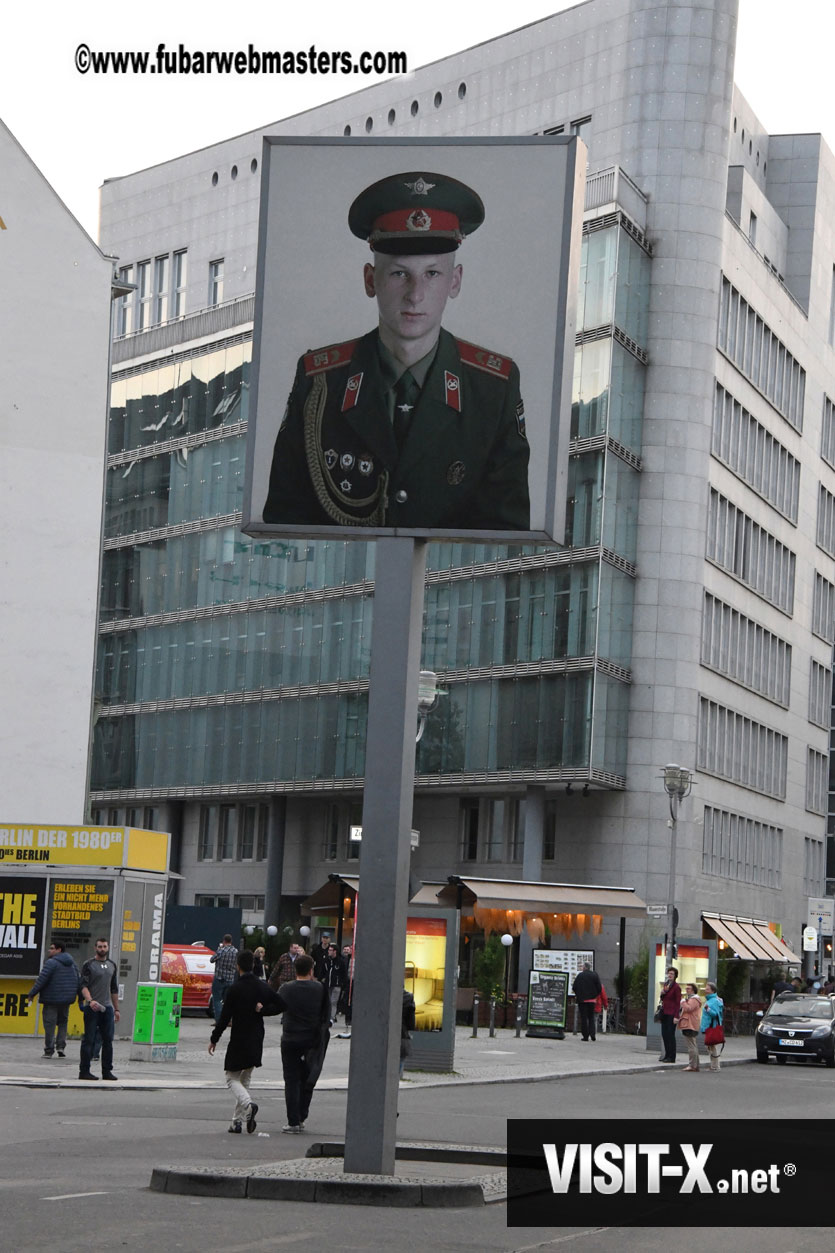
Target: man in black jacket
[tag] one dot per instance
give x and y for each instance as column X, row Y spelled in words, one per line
column 57, row 986
column 306, row 1007
column 242, row 1008
column 586, row 989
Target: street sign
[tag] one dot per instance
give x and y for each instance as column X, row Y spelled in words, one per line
column 822, row 914
column 810, row 940
column 656, row 911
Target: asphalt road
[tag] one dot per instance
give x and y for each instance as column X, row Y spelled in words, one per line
column 77, row 1163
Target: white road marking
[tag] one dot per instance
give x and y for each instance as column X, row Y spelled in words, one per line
column 71, row 1196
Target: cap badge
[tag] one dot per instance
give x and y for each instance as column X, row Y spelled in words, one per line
column 418, row 220
column 455, row 473
column 420, row 187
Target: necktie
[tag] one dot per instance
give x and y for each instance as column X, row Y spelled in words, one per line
column 406, row 393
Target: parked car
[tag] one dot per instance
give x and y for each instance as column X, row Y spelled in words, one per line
column 189, row 965
column 798, row 1026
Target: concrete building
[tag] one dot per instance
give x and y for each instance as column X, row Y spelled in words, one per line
column 691, row 616
column 54, row 330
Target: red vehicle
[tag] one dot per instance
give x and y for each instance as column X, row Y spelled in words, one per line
column 189, row 965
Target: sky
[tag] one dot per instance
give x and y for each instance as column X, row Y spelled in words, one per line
column 81, row 128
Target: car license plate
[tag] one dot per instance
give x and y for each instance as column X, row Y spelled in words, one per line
column 791, row 1043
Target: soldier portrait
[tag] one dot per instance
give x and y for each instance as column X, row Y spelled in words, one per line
column 406, row 425
column 413, row 338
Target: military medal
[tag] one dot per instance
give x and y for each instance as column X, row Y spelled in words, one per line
column 331, row 458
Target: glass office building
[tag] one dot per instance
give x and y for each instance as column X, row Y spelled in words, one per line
column 690, row 614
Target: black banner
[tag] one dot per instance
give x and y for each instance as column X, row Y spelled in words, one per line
column 547, row 995
column 666, row 1172
column 22, row 911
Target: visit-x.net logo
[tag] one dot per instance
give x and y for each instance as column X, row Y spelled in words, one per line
column 648, row 1172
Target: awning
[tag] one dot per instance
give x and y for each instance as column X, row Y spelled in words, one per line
column 329, row 897
column 544, row 898
column 750, row 938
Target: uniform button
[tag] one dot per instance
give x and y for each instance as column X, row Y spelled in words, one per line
column 401, row 497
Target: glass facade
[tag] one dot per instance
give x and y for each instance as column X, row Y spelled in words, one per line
column 225, row 662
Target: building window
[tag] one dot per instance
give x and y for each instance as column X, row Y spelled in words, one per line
column 813, row 867
column 215, row 282
column 743, row 548
column 205, row 837
column 352, row 850
column 124, row 309
column 832, row 309
column 741, row 848
column 143, row 295
column 823, row 609
column 825, row 536
column 581, row 127
column 515, row 830
column 249, row 903
column 160, row 300
column 752, row 452
column 752, row 229
column 744, row 651
column 734, row 747
column 330, row 838
column 817, row 780
column 758, row 354
column 820, row 695
column 494, row 844
column 226, row 833
column 263, row 832
column 469, row 830
column 178, row 295
column 212, row 902
column 246, row 836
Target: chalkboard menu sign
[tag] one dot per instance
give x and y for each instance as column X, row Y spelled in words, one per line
column 547, row 995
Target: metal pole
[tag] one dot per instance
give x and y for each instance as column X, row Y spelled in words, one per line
column 492, row 1017
column 476, row 1003
column 370, row 1131
column 671, row 953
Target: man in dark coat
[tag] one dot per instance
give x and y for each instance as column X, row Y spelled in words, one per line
column 586, row 989
column 57, row 986
column 406, row 426
column 304, row 1039
column 246, row 1039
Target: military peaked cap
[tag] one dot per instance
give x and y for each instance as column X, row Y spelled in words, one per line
column 415, row 212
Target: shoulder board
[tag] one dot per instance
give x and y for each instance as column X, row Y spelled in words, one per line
column 483, row 359
column 329, row 357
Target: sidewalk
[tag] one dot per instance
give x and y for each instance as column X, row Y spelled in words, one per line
column 478, row 1060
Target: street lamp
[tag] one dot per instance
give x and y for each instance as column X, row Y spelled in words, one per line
column 678, row 781
column 507, row 941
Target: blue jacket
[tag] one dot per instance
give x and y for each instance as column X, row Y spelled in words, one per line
column 58, row 982
column 713, row 1011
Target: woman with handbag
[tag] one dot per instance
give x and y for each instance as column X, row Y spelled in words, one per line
column 688, row 1024
column 713, row 1015
column 669, row 1007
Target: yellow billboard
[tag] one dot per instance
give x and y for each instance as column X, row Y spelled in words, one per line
column 127, row 847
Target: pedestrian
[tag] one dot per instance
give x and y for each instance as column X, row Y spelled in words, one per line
column 670, row 1002
column 242, row 1007
column 304, row 1039
column 258, row 963
column 587, row 988
column 284, row 969
column 225, row 962
column 57, row 985
column 333, row 978
column 319, row 952
column 689, row 1020
column 713, row 1016
column 407, row 1026
column 100, row 1003
column 346, row 1000
column 781, row 985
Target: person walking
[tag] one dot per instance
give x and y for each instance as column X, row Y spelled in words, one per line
column 242, row 1009
column 225, row 962
column 284, row 970
column 586, row 988
column 713, row 1016
column 304, row 1039
column 670, row 1002
column 100, row 1003
column 332, row 977
column 258, row 963
column 689, row 1020
column 57, row 985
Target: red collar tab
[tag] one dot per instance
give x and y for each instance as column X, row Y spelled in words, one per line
column 483, row 359
column 352, row 392
column 329, row 357
column 452, row 390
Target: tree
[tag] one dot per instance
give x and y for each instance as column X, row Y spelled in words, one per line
column 489, row 970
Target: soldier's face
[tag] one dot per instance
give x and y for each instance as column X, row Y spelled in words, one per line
column 411, row 293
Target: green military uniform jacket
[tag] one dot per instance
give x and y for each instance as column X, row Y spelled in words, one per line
column 463, row 465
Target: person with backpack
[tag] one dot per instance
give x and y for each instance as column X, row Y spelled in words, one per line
column 57, row 985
